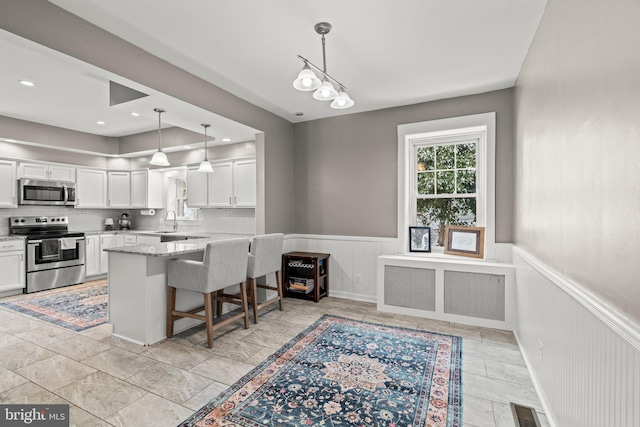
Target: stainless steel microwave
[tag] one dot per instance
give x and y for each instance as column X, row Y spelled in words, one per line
column 39, row 192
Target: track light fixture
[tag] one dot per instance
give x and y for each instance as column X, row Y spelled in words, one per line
column 159, row 158
column 324, row 89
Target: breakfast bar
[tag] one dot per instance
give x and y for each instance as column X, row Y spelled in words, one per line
column 138, row 287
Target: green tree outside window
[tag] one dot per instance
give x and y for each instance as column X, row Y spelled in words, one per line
column 446, row 186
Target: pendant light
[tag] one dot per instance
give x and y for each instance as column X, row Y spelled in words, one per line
column 324, row 89
column 159, row 158
column 205, row 165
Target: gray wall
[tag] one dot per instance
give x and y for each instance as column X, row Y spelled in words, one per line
column 346, row 169
column 51, row 26
column 577, row 132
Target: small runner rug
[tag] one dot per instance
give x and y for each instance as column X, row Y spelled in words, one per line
column 343, row 372
column 75, row 308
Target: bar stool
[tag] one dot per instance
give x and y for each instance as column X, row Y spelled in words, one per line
column 265, row 258
column 224, row 265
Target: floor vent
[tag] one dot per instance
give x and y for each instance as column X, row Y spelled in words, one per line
column 524, row 416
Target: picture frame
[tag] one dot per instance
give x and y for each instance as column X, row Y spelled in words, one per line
column 464, row 241
column 419, row 239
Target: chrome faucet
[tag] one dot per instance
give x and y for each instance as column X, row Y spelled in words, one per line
column 175, row 219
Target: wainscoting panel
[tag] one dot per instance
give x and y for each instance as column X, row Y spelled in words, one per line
column 352, row 266
column 584, row 357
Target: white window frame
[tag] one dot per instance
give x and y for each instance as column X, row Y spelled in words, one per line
column 481, row 126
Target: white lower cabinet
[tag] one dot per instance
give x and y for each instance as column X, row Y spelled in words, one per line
column 12, row 265
column 108, row 241
column 96, row 259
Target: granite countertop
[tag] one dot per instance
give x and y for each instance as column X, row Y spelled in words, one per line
column 177, row 247
column 4, row 238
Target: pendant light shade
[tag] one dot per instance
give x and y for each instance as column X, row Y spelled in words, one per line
column 159, row 158
column 307, row 79
column 324, row 90
column 205, row 165
column 342, row 101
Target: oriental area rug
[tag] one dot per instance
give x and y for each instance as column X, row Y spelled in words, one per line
column 76, row 307
column 344, row 372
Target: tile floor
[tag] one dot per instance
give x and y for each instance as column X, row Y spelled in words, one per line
column 111, row 382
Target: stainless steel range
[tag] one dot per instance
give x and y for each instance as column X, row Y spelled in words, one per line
column 55, row 257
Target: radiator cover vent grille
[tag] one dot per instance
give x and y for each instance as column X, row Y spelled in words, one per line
column 410, row 287
column 478, row 295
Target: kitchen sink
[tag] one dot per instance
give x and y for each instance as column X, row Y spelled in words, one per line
column 170, row 238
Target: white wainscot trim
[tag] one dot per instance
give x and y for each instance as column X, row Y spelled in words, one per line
column 583, row 355
column 497, row 310
column 352, row 265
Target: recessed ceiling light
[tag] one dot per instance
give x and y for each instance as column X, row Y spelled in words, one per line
column 298, row 114
column 226, row 139
column 134, row 114
column 100, row 122
column 26, row 83
column 10, row 140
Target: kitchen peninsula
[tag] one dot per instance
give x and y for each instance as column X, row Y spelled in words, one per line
column 138, row 287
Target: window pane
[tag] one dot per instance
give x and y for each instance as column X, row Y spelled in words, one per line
column 466, row 181
column 438, row 213
column 445, row 182
column 425, row 183
column 466, row 155
column 425, row 159
column 445, row 157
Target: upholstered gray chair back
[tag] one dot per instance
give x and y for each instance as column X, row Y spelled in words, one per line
column 224, row 264
column 266, row 255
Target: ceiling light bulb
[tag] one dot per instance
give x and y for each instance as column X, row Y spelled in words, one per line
column 134, row 114
column 26, row 83
column 100, row 122
column 306, row 80
column 226, row 139
column 325, row 92
column 342, row 101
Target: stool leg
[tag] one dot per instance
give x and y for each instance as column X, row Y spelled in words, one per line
column 254, row 293
column 219, row 304
column 245, row 307
column 171, row 305
column 279, row 286
column 208, row 314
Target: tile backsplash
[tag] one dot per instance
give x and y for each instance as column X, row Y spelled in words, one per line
column 85, row 220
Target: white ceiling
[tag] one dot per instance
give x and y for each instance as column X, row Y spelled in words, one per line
column 387, row 53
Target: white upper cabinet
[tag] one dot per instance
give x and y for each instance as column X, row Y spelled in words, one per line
column 146, row 189
column 8, row 196
column 197, row 188
column 245, row 183
column 231, row 185
column 119, row 189
column 46, row 171
column 221, row 185
column 91, row 188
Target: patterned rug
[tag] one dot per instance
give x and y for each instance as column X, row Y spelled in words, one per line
column 75, row 308
column 343, row 372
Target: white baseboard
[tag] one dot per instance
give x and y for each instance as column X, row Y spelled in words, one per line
column 352, row 296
